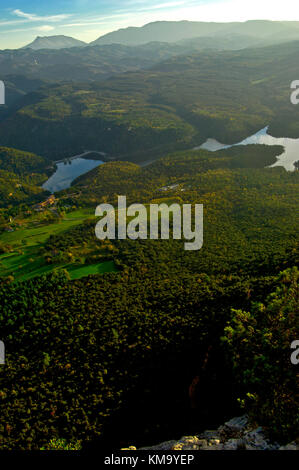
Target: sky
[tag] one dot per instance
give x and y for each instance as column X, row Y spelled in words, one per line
column 22, row 20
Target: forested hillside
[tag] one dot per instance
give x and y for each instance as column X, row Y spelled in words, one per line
column 111, row 343
column 54, row 42
column 178, row 103
column 87, row 64
column 21, row 177
column 108, row 359
column 172, row 31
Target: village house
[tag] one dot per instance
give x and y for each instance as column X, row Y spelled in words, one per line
column 50, row 201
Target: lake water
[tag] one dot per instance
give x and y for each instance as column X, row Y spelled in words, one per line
column 286, row 159
column 66, row 173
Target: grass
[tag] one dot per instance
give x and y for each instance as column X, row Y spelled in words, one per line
column 24, row 267
column 26, row 261
column 34, row 235
column 83, row 271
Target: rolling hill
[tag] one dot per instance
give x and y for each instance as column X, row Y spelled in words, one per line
column 173, row 31
column 86, row 64
column 54, row 42
column 110, row 342
column 178, row 102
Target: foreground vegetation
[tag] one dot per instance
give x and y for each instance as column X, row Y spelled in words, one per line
column 21, row 177
column 29, row 252
column 108, row 359
column 131, row 342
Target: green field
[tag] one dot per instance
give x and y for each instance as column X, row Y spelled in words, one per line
column 25, row 260
column 76, row 272
column 36, row 234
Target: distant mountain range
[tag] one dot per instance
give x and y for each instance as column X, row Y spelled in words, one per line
column 86, row 64
column 34, row 76
column 174, row 31
column 54, row 42
column 176, row 103
column 218, row 35
column 56, row 58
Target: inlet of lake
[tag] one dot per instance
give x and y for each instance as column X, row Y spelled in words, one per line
column 286, row 159
column 68, row 171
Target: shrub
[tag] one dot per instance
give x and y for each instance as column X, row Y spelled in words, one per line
column 260, row 345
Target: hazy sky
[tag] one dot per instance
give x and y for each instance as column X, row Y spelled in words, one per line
column 22, row 20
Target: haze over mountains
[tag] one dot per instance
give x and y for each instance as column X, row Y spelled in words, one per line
column 62, row 58
column 258, row 31
column 141, row 364
column 54, row 42
column 177, row 103
column 149, row 95
column 168, row 31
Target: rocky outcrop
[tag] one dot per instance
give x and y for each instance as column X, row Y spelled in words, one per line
column 236, row 434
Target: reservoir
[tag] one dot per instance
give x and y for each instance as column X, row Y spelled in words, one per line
column 68, row 171
column 286, row 159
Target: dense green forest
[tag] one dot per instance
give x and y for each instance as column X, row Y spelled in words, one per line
column 104, row 338
column 181, row 101
column 108, row 359
column 21, row 177
column 22, row 163
column 84, row 369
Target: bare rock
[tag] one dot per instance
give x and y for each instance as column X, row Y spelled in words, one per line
column 292, row 446
column 233, row 444
column 187, row 443
column 168, row 445
column 210, row 434
column 235, row 434
column 256, row 440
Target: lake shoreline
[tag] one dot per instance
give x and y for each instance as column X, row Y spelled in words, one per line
column 286, row 159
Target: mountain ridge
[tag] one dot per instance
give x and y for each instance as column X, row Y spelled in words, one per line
column 169, row 105
column 265, row 31
column 54, row 42
column 174, row 31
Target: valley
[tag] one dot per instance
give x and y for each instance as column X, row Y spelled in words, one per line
column 141, row 115
column 111, row 343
